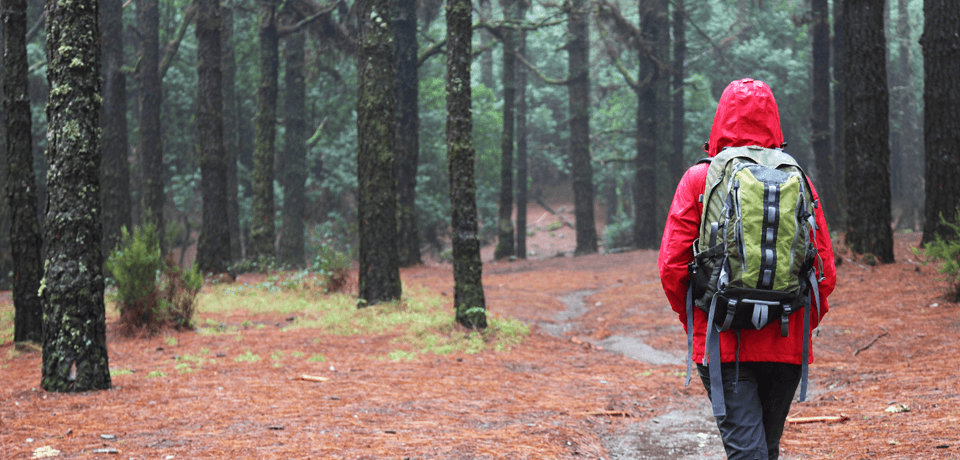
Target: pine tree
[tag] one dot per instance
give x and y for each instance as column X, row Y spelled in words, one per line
column 468, row 297
column 866, row 131
column 74, row 315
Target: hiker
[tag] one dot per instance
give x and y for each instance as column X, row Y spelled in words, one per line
column 761, row 368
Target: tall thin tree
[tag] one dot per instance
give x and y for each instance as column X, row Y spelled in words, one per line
column 262, row 228
column 149, row 98
column 578, row 49
column 677, row 161
column 906, row 142
column 941, row 115
column 213, row 248
column 505, row 242
column 231, row 141
column 652, row 29
column 117, row 208
column 74, row 316
column 468, row 298
column 294, row 171
column 866, row 131
column 820, row 109
column 379, row 278
column 408, row 125
column 522, row 135
column 21, row 191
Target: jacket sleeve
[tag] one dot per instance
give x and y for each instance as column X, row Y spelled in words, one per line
column 681, row 229
column 828, row 274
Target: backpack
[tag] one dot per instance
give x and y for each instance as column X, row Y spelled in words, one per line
column 754, row 259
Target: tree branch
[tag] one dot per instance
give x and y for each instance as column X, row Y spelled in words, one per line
column 294, row 28
column 170, row 51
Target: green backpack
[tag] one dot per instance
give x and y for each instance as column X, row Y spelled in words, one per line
column 754, row 260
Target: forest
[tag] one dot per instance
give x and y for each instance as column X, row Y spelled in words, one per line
column 279, row 132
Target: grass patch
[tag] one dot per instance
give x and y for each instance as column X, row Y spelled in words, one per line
column 156, row 373
column 116, row 372
column 316, row 358
column 6, row 323
column 421, row 323
column 247, row 357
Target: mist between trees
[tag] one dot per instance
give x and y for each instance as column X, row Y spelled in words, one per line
column 613, row 99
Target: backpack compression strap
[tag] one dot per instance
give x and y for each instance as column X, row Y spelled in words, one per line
column 806, row 334
column 689, row 331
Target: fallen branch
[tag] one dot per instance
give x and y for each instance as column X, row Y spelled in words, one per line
column 885, row 332
column 313, row 378
column 824, row 419
column 546, row 206
column 609, row 413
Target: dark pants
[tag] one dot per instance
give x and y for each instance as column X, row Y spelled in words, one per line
column 757, row 407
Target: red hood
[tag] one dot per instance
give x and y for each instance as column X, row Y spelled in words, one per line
column 746, row 115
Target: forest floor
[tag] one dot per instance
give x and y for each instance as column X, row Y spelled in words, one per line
column 600, row 376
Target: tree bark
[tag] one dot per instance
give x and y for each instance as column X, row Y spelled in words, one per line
column 149, row 99
column 941, row 116
column 213, row 248
column 291, row 250
column 678, row 163
column 652, row 25
column 521, row 121
column 820, row 110
column 408, row 126
column 21, row 191
column 114, row 143
column 505, row 243
column 74, row 317
column 231, row 142
column 866, row 131
column 468, row 298
column 578, row 49
column 839, row 219
column 379, row 279
column 262, row 227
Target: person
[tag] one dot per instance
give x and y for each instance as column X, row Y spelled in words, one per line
column 760, row 370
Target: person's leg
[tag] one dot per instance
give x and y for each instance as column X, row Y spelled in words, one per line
column 776, row 385
column 742, row 430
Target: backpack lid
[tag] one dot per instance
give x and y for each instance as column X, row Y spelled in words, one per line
column 747, row 114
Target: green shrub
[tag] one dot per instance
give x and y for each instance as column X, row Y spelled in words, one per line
column 149, row 299
column 134, row 265
column 947, row 251
column 333, row 266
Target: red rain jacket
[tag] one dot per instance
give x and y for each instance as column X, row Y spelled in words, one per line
column 746, row 115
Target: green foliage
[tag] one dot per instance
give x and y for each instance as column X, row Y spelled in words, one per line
column 134, row 265
column 947, row 252
column 619, row 233
column 146, row 298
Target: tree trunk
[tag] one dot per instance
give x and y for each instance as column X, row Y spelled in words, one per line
column 941, row 115
column 820, row 110
column 486, row 59
column 522, row 139
column 678, row 163
column 74, row 316
column 262, row 228
column 376, row 171
column 213, row 248
column 839, row 218
column 578, row 49
column 505, row 244
column 468, row 297
column 294, row 169
column 116, row 200
column 21, row 190
column 652, row 22
column 231, row 142
column 866, row 131
column 149, row 98
column 408, row 137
